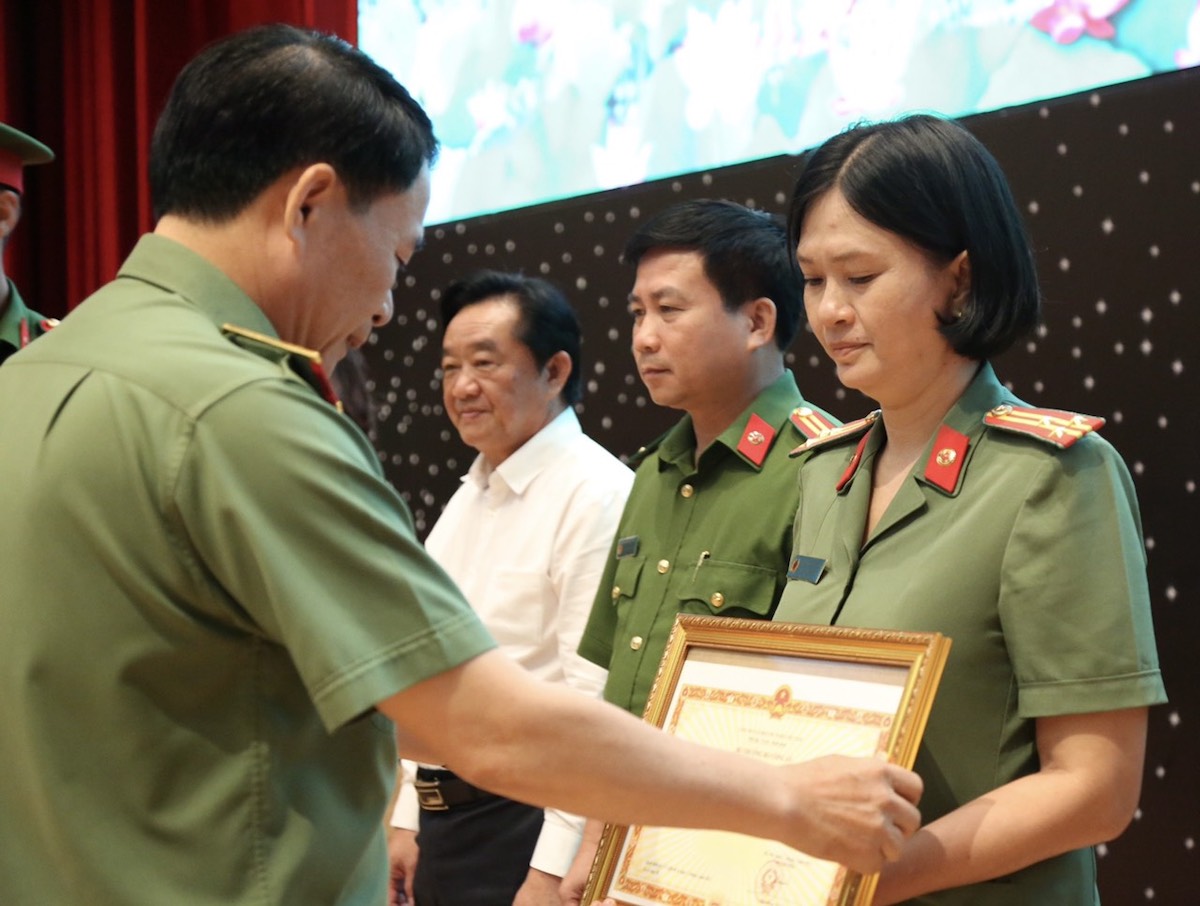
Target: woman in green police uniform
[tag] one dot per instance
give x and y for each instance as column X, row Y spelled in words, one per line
column 957, row 508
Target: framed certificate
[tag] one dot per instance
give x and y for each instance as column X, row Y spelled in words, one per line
column 781, row 692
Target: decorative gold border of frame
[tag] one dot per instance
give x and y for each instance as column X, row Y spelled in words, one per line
column 922, row 653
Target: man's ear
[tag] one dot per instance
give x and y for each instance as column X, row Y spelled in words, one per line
column 558, row 369
column 761, row 315
column 312, row 188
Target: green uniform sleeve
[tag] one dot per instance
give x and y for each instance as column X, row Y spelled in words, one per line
column 296, row 532
column 1074, row 600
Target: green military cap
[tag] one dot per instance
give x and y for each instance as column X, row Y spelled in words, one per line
column 17, row 151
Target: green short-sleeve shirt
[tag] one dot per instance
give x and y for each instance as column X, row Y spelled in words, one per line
column 188, row 684
column 709, row 538
column 1031, row 562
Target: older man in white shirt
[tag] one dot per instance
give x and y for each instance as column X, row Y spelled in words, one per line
column 526, row 538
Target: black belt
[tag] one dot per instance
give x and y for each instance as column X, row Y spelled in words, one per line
column 439, row 790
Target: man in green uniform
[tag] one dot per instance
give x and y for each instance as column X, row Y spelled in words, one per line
column 707, row 528
column 18, row 324
column 202, row 698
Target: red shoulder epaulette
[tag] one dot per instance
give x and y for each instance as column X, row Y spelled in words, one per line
column 811, row 422
column 840, row 432
column 1053, row 426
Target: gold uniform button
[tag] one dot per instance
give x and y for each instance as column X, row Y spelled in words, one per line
column 687, row 491
column 636, row 642
column 717, row 600
column 616, row 592
column 664, row 565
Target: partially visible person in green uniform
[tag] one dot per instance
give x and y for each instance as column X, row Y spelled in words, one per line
column 18, row 323
column 707, row 527
column 202, row 702
column 957, row 508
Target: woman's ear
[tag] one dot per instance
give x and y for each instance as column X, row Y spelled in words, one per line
column 960, row 270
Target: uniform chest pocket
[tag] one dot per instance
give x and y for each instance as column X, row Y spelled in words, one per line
column 719, row 587
column 626, row 576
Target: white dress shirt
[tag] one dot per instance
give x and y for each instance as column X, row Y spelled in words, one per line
column 526, row 542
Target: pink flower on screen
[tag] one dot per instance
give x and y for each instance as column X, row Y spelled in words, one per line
column 1067, row 20
column 534, row 32
column 1189, row 55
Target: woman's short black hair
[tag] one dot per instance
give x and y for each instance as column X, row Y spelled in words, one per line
column 546, row 325
column 931, row 182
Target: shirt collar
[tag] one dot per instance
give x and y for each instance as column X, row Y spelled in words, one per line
column 173, row 267
column 529, row 460
column 966, row 417
column 773, row 405
column 983, row 393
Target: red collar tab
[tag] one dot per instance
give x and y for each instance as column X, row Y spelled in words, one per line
column 756, row 440
column 45, row 325
column 828, row 435
column 946, row 458
column 810, row 422
column 1054, row 426
column 853, row 467
column 320, row 380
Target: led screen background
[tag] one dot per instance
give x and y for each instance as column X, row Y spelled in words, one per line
column 535, row 100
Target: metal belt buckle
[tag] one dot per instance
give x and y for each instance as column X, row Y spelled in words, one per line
column 430, row 796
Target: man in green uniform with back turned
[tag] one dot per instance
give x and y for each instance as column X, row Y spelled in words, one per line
column 18, row 324
column 708, row 525
column 203, row 693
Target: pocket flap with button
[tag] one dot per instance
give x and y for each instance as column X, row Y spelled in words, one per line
column 625, row 577
column 719, row 586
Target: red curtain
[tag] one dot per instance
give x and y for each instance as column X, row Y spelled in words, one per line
column 88, row 78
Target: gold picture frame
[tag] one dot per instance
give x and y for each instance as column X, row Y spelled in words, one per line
column 783, row 692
